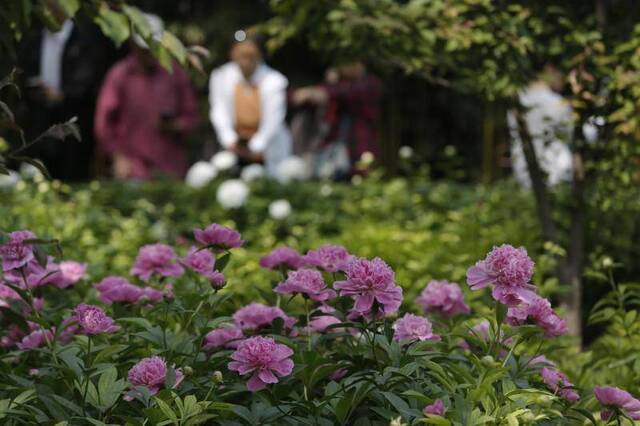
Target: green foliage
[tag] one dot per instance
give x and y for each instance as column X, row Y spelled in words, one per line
column 433, row 229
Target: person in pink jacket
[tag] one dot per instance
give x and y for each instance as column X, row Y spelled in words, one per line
column 144, row 113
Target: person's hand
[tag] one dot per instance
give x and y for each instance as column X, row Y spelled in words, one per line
column 52, row 95
column 121, row 166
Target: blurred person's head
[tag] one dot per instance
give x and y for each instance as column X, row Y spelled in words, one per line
column 352, row 70
column 246, row 53
column 552, row 76
column 139, row 46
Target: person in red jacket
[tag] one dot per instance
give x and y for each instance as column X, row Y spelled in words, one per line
column 144, row 113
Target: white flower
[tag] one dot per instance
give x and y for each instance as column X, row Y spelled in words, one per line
column 356, row 180
column 10, row 180
column 30, row 171
column 405, row 152
column 252, row 172
column 200, row 174
column 367, row 158
column 326, row 190
column 224, row 160
column 292, row 168
column 232, row 193
column 279, row 209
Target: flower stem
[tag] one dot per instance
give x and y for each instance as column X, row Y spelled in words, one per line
column 87, row 377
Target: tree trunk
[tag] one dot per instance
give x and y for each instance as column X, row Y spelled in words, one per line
column 538, row 184
column 571, row 272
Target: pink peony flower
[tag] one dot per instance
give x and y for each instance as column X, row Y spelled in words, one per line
column 264, row 359
column 257, row 315
column 307, row 282
column 370, row 281
column 509, row 269
column 217, row 280
column 151, row 295
column 200, row 261
column 539, row 311
column 617, row 399
column 93, row 320
column 225, row 337
column 218, row 236
column 559, row 383
column 329, row 258
column 411, row 328
column 70, row 272
column 151, row 373
column 6, row 295
column 118, row 289
column 282, row 257
column 320, row 323
column 437, row 408
column 443, row 297
column 37, row 275
column 15, row 253
column 157, row 259
column 36, row 339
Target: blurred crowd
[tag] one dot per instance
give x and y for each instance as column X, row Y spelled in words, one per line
column 135, row 115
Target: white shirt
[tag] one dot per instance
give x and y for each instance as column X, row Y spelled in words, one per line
column 550, row 124
column 51, row 51
column 272, row 138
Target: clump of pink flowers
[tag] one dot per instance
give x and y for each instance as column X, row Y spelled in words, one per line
column 151, row 373
column 307, row 282
column 329, row 258
column 117, row 289
column 443, row 297
column 320, row 323
column 218, row 237
column 509, row 269
column 262, row 358
column 257, row 315
column 16, row 253
column 370, row 282
column 412, row 328
column 615, row 399
column 156, row 259
column 93, row 320
column 540, row 312
column 559, row 383
column 282, row 257
column 224, row 337
column 203, row 263
column 37, row 338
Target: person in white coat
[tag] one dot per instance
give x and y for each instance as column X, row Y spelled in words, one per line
column 248, row 102
column 550, row 123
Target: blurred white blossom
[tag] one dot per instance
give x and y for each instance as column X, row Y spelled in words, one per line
column 200, row 174
column 232, row 193
column 367, row 158
column 405, row 152
column 252, row 172
column 326, row 190
column 224, row 160
column 279, row 209
column 292, row 168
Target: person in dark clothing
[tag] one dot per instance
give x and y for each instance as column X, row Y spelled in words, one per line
column 63, row 71
column 350, row 99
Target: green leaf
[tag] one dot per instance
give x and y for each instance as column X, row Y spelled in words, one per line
column 138, row 20
column 174, row 46
column 113, row 24
column 166, row 410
